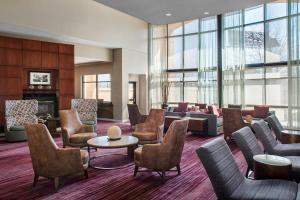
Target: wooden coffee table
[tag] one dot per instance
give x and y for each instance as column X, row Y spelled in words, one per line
column 290, row 136
column 129, row 142
column 272, row 167
column 198, row 125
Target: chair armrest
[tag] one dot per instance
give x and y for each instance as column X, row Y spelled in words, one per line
column 160, row 133
column 69, row 160
column 65, row 133
column 141, row 127
column 86, row 128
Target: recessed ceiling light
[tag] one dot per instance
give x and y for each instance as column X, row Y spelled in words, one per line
column 168, row 14
column 206, row 13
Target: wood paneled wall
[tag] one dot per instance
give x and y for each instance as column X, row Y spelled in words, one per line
column 20, row 56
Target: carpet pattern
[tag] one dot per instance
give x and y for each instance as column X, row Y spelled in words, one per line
column 16, row 176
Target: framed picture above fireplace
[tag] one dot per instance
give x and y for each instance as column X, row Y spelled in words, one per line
column 40, row 78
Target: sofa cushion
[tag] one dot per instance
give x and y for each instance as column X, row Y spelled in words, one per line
column 182, row 107
column 82, row 137
column 17, row 128
column 145, row 135
column 261, row 111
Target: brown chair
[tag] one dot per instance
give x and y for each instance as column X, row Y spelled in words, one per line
column 151, row 131
column 50, row 161
column 232, row 121
column 135, row 117
column 74, row 133
column 166, row 155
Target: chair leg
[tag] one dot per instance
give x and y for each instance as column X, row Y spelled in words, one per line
column 56, row 183
column 35, row 179
column 247, row 172
column 86, row 174
column 136, row 169
column 178, row 169
column 163, row 176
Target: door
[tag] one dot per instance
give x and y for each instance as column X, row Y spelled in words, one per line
column 132, row 92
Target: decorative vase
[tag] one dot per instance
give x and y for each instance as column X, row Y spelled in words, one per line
column 114, row 133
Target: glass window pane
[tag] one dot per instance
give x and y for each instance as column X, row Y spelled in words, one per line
column 233, row 19
column 282, row 115
column 254, row 44
column 295, row 7
column 103, row 77
column 276, row 41
column 277, row 9
column 277, row 92
column 159, row 31
column 254, row 14
column 208, row 50
column 89, row 90
column 232, row 46
column 175, row 53
column 89, row 78
column 191, row 56
column 175, row 92
column 254, row 92
column 191, row 76
column 104, row 91
column 208, row 24
column 175, row 77
column 190, row 92
column 175, row 29
column 276, row 72
column 254, row 73
column 191, row 26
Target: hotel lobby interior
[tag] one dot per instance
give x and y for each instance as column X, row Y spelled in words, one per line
column 137, row 99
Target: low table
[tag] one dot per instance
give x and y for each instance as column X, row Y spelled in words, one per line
column 272, row 167
column 129, row 142
column 198, row 125
column 290, row 136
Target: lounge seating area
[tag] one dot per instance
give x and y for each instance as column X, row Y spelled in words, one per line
column 150, row 100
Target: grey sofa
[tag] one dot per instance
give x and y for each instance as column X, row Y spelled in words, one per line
column 271, row 146
column 214, row 125
column 249, row 146
column 229, row 183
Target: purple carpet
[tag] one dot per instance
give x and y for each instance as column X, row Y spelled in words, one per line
column 16, row 176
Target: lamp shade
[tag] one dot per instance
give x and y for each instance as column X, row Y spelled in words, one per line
column 114, row 132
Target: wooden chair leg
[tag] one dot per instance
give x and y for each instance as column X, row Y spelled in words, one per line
column 35, row 179
column 136, row 169
column 163, row 176
column 86, row 174
column 56, row 183
column 178, row 169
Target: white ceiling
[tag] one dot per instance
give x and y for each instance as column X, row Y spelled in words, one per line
column 153, row 11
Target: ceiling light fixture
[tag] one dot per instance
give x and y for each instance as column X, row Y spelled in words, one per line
column 206, row 13
column 168, row 14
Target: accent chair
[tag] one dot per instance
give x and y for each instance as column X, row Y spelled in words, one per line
column 50, row 161
column 135, row 117
column 74, row 133
column 229, row 183
column 17, row 113
column 166, row 155
column 232, row 121
column 151, row 131
column 87, row 111
column 271, row 146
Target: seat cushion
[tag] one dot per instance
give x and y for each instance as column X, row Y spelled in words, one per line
column 138, row 154
column 287, row 149
column 81, row 137
column 145, row 136
column 266, row 189
column 17, row 128
column 84, row 156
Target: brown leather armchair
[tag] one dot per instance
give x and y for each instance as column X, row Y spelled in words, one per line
column 50, row 161
column 151, row 131
column 74, row 133
column 166, row 155
column 232, row 121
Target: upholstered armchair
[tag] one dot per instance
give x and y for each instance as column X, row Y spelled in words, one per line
column 74, row 133
column 50, row 161
column 163, row 156
column 87, row 111
column 17, row 113
column 151, row 131
column 232, row 121
column 135, row 117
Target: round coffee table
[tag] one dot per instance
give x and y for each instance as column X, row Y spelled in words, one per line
column 272, row 167
column 290, row 136
column 129, row 142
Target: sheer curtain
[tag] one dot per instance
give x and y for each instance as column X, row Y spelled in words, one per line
column 208, row 86
column 294, row 64
column 233, row 58
column 158, row 63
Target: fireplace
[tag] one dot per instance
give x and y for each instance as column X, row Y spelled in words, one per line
column 47, row 103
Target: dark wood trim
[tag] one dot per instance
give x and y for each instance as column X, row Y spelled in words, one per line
column 219, row 70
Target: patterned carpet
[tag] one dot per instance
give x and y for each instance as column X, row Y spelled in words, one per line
column 16, row 176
